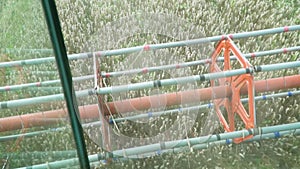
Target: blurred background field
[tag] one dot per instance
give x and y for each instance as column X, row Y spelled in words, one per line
column 23, row 27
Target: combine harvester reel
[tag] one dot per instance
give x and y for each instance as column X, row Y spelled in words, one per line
column 229, row 81
column 231, row 94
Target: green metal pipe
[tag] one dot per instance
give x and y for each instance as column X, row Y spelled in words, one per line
column 156, row 46
column 48, row 90
column 191, row 79
column 267, row 52
column 174, row 81
column 274, row 135
column 194, row 63
column 197, row 143
column 116, row 158
column 201, row 146
column 40, row 84
column 43, row 60
column 206, row 139
column 278, row 66
column 66, row 78
column 198, row 41
column 41, row 99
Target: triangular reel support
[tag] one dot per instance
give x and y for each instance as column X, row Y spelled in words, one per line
column 105, row 130
column 233, row 104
